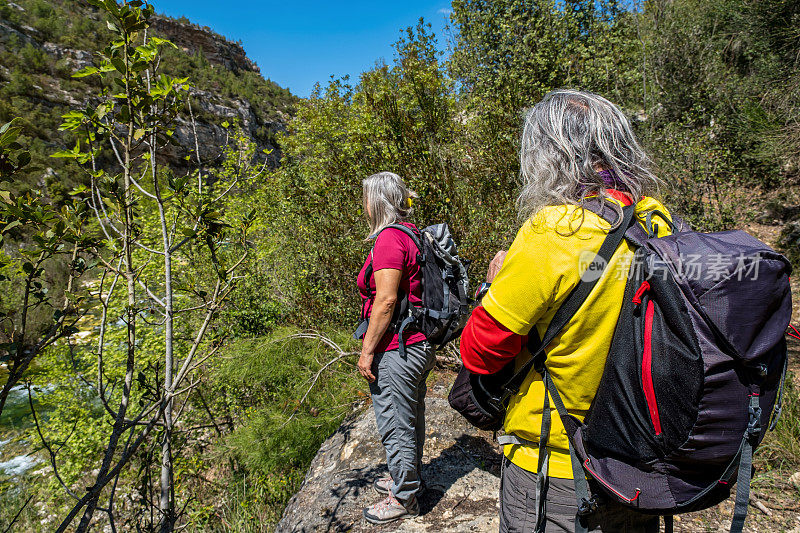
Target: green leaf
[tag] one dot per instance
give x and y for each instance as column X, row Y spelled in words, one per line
column 119, row 65
column 159, row 41
column 65, row 154
column 11, row 225
column 9, row 137
column 86, row 71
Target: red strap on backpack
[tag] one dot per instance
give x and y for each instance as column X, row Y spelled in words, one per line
column 796, row 333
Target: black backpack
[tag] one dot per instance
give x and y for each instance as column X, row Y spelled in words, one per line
column 446, row 303
column 693, row 378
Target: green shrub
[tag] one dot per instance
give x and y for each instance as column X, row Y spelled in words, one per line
column 257, row 385
column 250, row 503
column 268, row 377
column 781, row 448
column 254, row 310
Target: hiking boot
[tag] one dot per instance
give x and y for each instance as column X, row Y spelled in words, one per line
column 383, row 485
column 389, row 509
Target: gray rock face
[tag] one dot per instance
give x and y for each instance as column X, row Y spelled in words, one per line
column 77, row 58
column 215, row 48
column 215, row 108
column 7, row 33
column 461, row 469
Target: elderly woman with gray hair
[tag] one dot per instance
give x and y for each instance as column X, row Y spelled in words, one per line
column 389, row 282
column 575, row 146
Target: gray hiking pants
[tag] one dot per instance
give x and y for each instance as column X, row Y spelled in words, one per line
column 518, row 507
column 398, row 396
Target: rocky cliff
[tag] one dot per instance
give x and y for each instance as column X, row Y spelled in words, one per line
column 194, row 39
column 43, row 42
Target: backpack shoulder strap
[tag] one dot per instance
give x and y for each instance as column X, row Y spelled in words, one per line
column 636, row 234
column 416, row 239
column 408, row 231
column 415, row 236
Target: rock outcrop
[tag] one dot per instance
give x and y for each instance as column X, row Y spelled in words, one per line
column 212, row 102
column 461, row 468
column 192, row 39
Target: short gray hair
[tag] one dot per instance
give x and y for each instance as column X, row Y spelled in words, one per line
column 568, row 134
column 389, row 200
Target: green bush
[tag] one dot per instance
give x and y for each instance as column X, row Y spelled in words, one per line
column 268, row 377
column 254, row 310
column 257, row 385
column 780, row 448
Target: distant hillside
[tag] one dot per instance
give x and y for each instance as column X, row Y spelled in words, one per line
column 42, row 42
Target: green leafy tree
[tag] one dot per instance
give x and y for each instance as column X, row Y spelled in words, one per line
column 399, row 117
column 721, row 97
column 507, row 54
column 151, row 221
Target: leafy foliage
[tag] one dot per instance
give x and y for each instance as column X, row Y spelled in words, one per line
column 116, row 396
column 48, row 249
column 402, row 117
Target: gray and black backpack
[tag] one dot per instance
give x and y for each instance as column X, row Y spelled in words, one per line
column 446, row 304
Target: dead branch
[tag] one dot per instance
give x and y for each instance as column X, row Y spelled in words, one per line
column 328, row 342
column 46, row 445
column 16, row 516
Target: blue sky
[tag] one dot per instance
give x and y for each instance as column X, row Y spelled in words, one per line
column 297, row 44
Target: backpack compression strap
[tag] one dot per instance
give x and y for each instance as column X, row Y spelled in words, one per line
column 564, row 314
column 746, row 465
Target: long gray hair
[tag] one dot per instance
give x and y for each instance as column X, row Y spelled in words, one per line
column 566, row 138
column 387, row 200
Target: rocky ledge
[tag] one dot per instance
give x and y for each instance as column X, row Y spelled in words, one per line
column 461, row 468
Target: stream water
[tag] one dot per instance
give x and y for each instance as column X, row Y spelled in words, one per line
column 16, row 417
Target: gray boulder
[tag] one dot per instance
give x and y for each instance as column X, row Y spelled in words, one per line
column 461, row 469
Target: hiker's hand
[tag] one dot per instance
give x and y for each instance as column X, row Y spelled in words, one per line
column 365, row 366
column 494, row 266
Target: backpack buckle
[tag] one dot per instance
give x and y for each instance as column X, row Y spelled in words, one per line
column 587, row 507
column 754, row 425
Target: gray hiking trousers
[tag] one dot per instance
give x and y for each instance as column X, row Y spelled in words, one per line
column 518, row 507
column 398, row 397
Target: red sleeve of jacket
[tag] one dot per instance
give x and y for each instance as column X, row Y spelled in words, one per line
column 486, row 345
